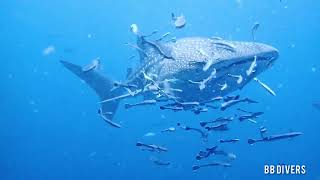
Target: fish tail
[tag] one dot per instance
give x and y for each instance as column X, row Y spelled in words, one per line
column 100, row 84
column 251, row 141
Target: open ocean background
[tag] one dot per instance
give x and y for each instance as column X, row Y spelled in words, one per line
column 49, row 126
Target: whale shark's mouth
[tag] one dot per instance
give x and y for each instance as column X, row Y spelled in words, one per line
column 231, row 72
column 262, row 63
column 246, row 53
column 248, row 61
column 236, row 73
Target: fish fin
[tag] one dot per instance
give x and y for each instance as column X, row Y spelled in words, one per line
column 146, row 45
column 251, row 141
column 100, row 84
column 195, row 167
column 202, row 124
column 173, row 17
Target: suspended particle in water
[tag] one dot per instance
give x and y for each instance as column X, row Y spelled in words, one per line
column 239, row 3
column 313, row 69
column 10, row 76
column 35, row 70
column 32, row 102
column 92, row 154
column 48, row 50
column 149, row 134
column 83, row 114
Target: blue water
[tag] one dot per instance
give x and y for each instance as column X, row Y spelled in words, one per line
column 49, row 127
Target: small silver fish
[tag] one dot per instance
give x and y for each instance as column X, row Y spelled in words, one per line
column 207, row 65
column 163, row 36
column 179, row 21
column 110, row 122
column 252, row 66
column 265, row 86
column 145, row 102
column 170, row 129
column 92, row 66
column 137, row 48
column 134, row 29
column 122, row 96
column 254, row 29
column 239, row 78
column 149, row 134
column 223, row 86
column 202, row 84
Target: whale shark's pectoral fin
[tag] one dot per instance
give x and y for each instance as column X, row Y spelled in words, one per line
column 100, row 84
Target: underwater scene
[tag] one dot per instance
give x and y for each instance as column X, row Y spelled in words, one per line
column 168, row 89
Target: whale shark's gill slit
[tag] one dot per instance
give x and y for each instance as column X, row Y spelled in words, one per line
column 225, row 46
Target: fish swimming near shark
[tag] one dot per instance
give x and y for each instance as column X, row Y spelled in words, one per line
column 160, row 61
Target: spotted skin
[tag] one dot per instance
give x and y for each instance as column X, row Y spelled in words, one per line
column 189, row 55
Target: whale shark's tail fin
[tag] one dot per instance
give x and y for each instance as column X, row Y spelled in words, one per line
column 100, row 84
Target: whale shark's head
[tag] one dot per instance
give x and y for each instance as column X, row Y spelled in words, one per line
column 242, row 54
column 227, row 57
column 245, row 59
column 223, row 65
column 235, row 63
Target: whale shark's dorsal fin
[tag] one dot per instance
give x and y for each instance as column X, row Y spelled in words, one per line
column 100, row 84
column 145, row 45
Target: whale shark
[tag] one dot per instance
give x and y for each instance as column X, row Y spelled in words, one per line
column 187, row 72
